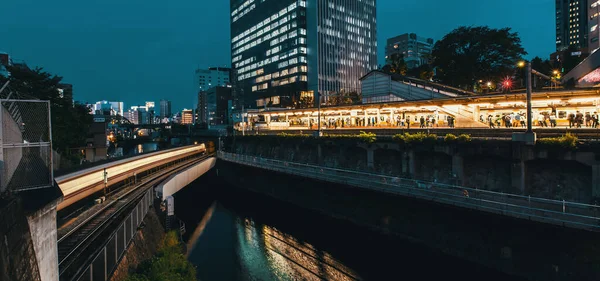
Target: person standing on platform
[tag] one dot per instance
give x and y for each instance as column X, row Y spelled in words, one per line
column 553, row 120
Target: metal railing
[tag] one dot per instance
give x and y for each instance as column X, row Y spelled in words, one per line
column 571, row 214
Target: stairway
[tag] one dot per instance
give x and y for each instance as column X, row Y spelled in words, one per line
column 464, row 117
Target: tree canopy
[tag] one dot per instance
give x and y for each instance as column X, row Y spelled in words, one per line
column 70, row 121
column 168, row 264
column 469, row 54
column 395, row 64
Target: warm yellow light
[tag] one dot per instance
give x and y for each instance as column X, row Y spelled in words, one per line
column 546, row 101
column 489, row 84
column 521, row 64
column 511, row 103
column 583, row 100
column 480, row 104
column 555, row 72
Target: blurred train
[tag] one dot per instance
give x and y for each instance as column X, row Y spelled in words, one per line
column 82, row 184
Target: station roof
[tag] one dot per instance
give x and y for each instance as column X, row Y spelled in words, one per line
column 502, row 100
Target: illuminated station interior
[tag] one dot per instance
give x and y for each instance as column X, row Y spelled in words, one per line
column 467, row 112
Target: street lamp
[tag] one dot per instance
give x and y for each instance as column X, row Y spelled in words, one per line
column 529, row 136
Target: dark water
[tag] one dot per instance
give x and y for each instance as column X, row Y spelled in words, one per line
column 237, row 235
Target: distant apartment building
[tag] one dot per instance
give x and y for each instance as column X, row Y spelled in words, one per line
column 187, row 116
column 141, row 114
column 572, row 24
column 165, row 109
column 285, row 52
column 65, row 91
column 212, row 77
column 106, row 108
column 416, row 50
column 219, row 103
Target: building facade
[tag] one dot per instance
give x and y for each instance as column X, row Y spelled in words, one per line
column 287, row 52
column 202, row 109
column 415, row 50
column 594, row 25
column 212, row 77
column 187, row 117
column 107, row 108
column 219, row 101
column 572, row 24
column 165, row 109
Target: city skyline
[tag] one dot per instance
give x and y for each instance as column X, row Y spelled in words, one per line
column 110, row 50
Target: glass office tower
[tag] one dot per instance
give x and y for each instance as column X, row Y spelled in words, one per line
column 285, row 52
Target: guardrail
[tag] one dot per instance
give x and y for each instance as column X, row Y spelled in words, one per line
column 564, row 213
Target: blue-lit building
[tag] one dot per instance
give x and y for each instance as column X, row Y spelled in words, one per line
column 284, row 52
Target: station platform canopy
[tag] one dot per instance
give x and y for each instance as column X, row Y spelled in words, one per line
column 587, row 73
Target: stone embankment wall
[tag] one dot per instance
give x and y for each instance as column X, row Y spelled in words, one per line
column 18, row 260
column 502, row 166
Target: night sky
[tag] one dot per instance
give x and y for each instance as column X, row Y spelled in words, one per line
column 133, row 51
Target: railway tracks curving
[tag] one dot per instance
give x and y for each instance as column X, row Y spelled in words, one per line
column 77, row 246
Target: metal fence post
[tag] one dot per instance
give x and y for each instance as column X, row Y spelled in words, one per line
column 2, row 174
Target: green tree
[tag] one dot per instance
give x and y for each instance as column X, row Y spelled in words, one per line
column 395, row 64
column 168, row 264
column 469, row 54
column 70, row 121
column 424, row 72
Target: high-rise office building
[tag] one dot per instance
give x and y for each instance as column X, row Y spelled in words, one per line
column 165, row 108
column 594, row 24
column 415, row 49
column 212, row 77
column 285, row 52
column 219, row 101
column 572, row 24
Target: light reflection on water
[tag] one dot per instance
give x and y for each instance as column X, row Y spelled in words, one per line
column 265, row 253
column 235, row 235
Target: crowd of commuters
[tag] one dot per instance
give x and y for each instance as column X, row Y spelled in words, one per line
column 543, row 119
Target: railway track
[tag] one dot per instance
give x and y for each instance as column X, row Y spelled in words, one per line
column 80, row 243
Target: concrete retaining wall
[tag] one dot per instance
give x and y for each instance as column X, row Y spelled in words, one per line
column 182, row 179
column 17, row 252
column 42, row 224
column 515, row 246
column 500, row 166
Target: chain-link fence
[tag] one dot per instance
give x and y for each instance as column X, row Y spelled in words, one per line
column 26, row 154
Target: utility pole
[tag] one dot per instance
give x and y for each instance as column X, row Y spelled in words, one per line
column 319, row 114
column 105, row 181
column 529, row 136
column 529, row 89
